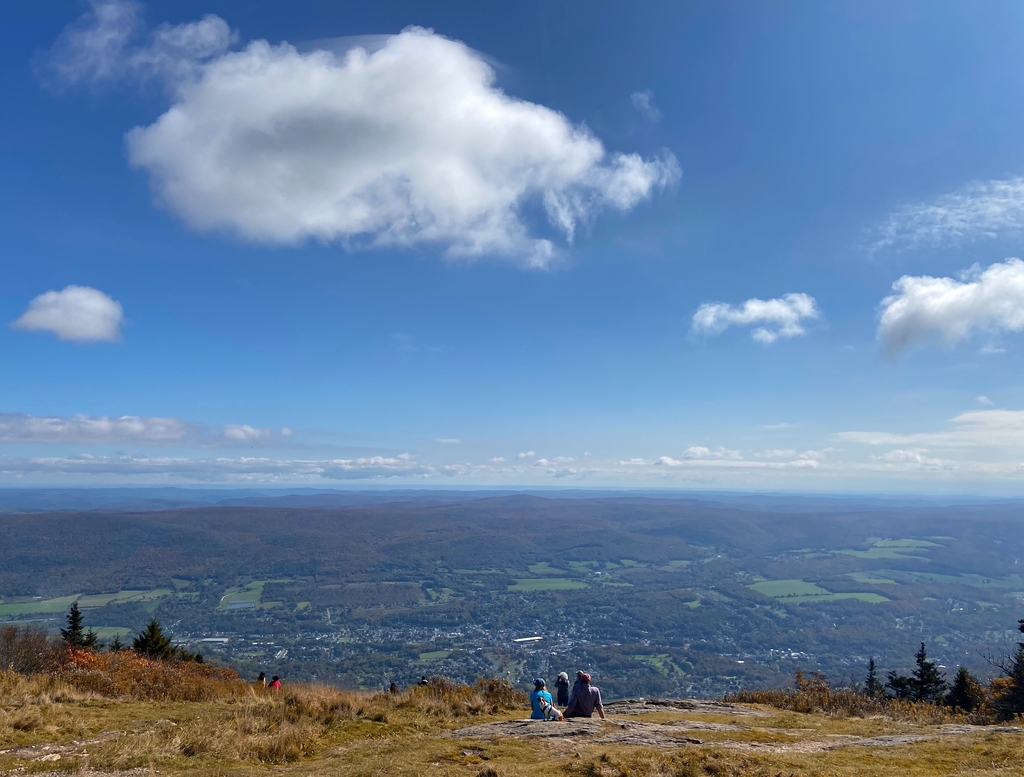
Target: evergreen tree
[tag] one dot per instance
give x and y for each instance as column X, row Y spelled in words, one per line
column 115, row 645
column 1009, row 699
column 966, row 693
column 900, row 685
column 152, row 642
column 75, row 634
column 927, row 682
column 872, row 685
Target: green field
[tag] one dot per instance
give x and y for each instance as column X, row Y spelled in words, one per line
column 802, row 591
column 544, row 568
column 62, row 603
column 254, row 591
column 546, row 584
column 435, row 655
column 906, row 544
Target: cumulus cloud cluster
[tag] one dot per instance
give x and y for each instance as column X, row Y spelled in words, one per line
column 923, row 307
column 981, row 209
column 408, row 144
column 781, row 317
column 77, row 313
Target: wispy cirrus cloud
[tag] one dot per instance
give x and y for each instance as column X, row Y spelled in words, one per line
column 219, row 469
column 981, row 209
column 126, row 430
column 951, row 310
column 781, row 317
column 984, row 429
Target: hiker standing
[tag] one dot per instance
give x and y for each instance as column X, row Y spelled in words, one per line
column 275, row 683
column 539, row 700
column 562, row 689
column 585, row 699
column 262, row 680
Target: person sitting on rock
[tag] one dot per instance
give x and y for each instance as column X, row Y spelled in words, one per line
column 539, row 699
column 585, row 699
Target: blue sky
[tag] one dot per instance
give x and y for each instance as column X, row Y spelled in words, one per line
column 565, row 244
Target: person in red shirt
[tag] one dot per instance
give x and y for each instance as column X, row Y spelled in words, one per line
column 275, row 683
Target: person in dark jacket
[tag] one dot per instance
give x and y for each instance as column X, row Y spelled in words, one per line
column 562, row 689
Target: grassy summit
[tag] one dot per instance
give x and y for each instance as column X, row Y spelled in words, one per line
column 119, row 715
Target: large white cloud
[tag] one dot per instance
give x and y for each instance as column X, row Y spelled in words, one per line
column 781, row 317
column 981, row 209
column 410, row 144
column 924, row 307
column 77, row 313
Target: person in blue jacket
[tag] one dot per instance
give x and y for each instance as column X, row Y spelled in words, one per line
column 539, row 699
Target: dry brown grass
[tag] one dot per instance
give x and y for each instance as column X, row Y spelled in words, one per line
column 126, row 675
column 813, row 695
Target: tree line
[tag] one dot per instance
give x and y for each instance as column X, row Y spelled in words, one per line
column 927, row 683
column 151, row 642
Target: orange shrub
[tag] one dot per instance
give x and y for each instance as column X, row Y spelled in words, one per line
column 129, row 676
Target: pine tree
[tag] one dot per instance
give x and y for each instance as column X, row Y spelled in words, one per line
column 927, row 682
column 966, row 693
column 75, row 634
column 116, row 645
column 900, row 685
column 872, row 685
column 1009, row 699
column 152, row 642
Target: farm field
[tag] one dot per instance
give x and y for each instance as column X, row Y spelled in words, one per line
column 546, row 584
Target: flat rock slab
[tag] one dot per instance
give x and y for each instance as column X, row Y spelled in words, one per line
column 631, row 732
column 695, row 706
column 522, row 729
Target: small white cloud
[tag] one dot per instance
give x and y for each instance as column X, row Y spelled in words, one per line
column 776, row 427
column 783, row 317
column 983, row 400
column 912, row 459
column 245, row 432
column 498, row 460
column 110, row 43
column 449, row 440
column 990, row 300
column 989, row 350
column 982, row 209
column 644, row 103
column 77, row 313
column 526, row 455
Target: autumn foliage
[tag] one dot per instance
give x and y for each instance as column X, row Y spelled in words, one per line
column 127, row 675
